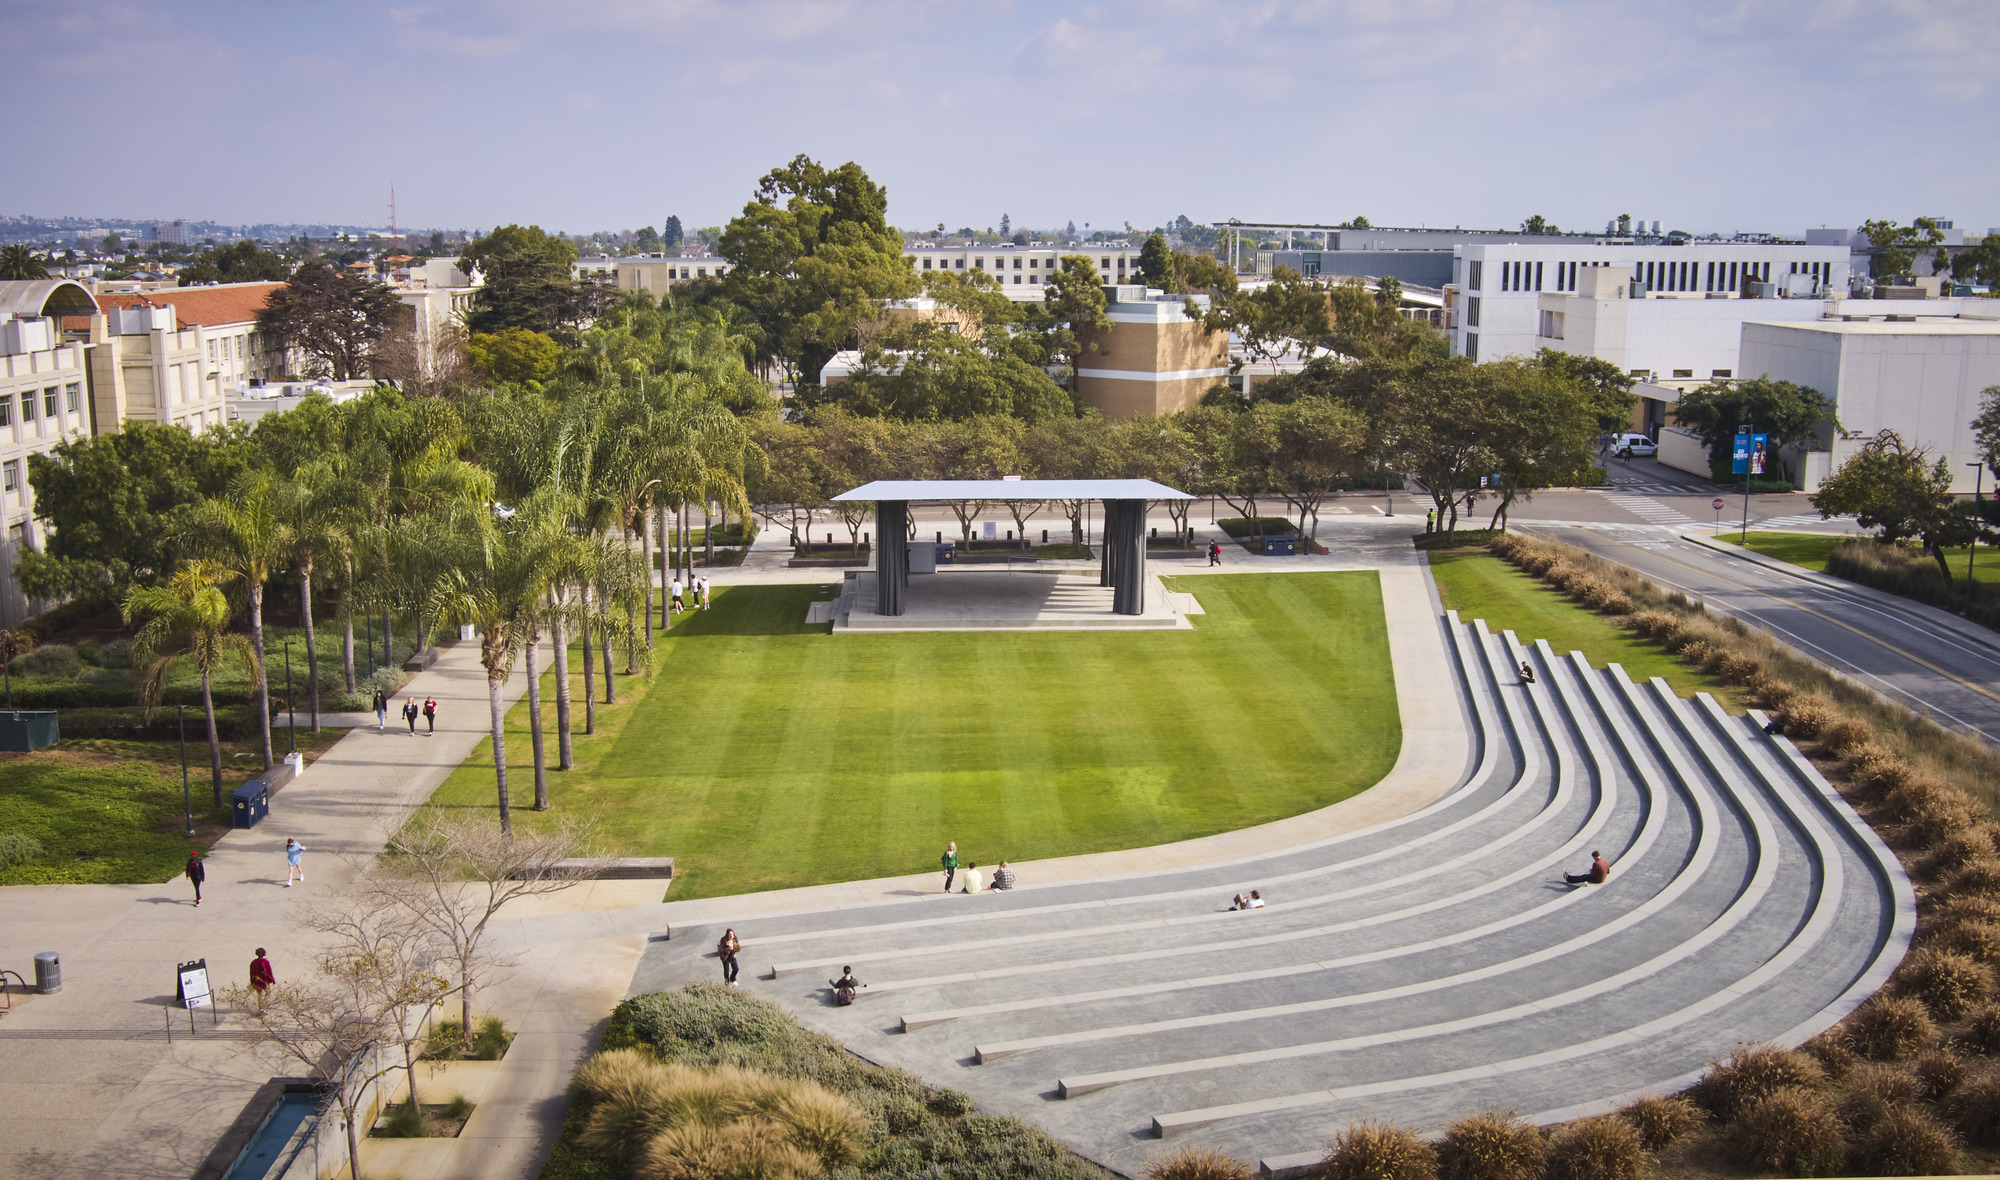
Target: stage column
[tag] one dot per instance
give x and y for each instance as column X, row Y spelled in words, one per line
column 892, row 562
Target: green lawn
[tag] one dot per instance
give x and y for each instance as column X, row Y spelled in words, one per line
column 1810, row 550
column 764, row 754
column 1480, row 586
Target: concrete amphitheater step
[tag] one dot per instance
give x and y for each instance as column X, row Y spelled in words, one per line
column 1413, row 970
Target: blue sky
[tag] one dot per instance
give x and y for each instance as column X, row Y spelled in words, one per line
column 605, row 114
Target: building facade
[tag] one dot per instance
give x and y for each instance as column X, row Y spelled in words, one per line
column 1025, row 266
column 1155, row 359
column 44, row 399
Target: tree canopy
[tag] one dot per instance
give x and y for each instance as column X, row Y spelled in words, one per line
column 1790, row 413
column 239, row 262
column 1895, row 489
column 333, row 318
column 528, row 282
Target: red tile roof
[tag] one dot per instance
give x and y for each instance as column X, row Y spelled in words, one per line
column 232, row 303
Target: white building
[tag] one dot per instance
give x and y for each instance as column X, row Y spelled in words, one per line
column 1498, row 293
column 1921, row 376
column 1025, row 266
column 44, row 399
column 650, row 272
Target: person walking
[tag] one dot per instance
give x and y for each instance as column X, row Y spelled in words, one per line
column 410, row 714
column 196, row 874
column 727, row 949
column 974, row 879
column 1215, row 553
column 674, row 593
column 381, row 710
column 701, row 591
column 261, row 977
column 1003, row 877
column 950, row 862
column 431, row 714
column 294, row 862
column 1598, row 873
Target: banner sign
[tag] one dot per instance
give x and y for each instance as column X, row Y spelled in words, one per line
column 1758, row 452
column 1740, row 460
column 193, row 991
column 1750, row 454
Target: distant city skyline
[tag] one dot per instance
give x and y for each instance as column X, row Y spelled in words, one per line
column 1709, row 116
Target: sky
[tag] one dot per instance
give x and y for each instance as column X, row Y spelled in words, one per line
column 1706, row 115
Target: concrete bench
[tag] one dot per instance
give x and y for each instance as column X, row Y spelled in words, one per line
column 617, row 868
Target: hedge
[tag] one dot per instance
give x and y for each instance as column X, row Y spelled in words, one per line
column 233, row 723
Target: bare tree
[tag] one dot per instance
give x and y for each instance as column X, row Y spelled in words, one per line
column 371, row 989
column 454, row 874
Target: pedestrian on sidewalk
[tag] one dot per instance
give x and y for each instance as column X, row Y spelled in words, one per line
column 1003, row 877
column 431, row 714
column 1215, row 553
column 1431, row 520
column 701, row 591
column 1598, row 873
column 974, row 879
column 196, row 873
column 674, row 593
column 261, row 977
column 294, row 862
column 410, row 714
column 727, row 950
column 381, row 710
column 950, row 862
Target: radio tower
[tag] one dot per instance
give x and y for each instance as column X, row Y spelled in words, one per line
column 395, row 240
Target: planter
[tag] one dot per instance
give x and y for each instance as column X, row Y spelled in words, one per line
column 26, row 731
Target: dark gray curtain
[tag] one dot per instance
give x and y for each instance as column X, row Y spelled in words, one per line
column 892, row 560
column 1125, row 555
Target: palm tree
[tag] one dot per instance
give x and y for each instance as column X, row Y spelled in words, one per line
column 188, row 616
column 314, row 512
column 20, row 262
column 244, row 532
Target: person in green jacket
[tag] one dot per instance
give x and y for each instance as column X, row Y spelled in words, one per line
column 950, row 862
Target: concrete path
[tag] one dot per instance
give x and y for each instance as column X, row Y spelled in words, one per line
column 1425, row 964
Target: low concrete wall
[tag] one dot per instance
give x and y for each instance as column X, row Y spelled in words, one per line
column 1683, row 450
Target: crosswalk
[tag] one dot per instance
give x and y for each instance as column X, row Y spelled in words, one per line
column 1649, row 510
column 1655, row 489
column 1797, row 520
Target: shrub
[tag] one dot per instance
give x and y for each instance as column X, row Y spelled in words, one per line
column 825, row 1124
column 1697, row 653
column 1489, row 1145
column 56, row 661
column 402, row 1121
column 951, row 1103
column 1876, row 769
column 1939, row 822
column 1970, row 908
column 1907, row 1142
column 1596, row 1149
column 1978, row 941
column 1982, row 1033
column 1195, row 1163
column 1954, row 852
column 1807, row 715
column 1872, row 1090
column 18, row 848
column 1890, row 1027
column 489, row 1041
column 1791, row 1131
column 1772, row 691
column 1538, row 564
column 1378, row 1151
column 1844, row 735
column 1737, row 669
column 1655, row 624
column 1939, row 1075
column 116, row 654
column 903, row 1116
column 1661, row 1122
column 1751, row 1073
column 1978, row 1110
column 460, row 1107
column 1981, row 878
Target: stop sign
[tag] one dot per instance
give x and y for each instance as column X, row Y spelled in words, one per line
column 1716, row 503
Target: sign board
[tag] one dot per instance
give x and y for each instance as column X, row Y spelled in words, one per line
column 194, row 991
column 1739, row 461
column 1716, row 503
column 1750, row 454
column 1759, row 452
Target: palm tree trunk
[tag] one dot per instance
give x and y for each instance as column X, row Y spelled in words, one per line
column 559, row 663
column 312, row 645
column 660, row 510
column 214, row 741
column 347, row 644
column 707, row 535
column 494, row 679
column 535, row 718
column 632, row 636
column 646, row 552
column 263, row 682
column 604, row 617
column 388, row 637
column 589, row 672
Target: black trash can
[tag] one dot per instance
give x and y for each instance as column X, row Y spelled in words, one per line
column 48, row 973
column 249, row 803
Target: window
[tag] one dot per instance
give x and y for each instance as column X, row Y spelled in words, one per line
column 927, row 264
column 1683, row 373
column 1121, row 262
column 12, row 475
column 6, row 411
column 1017, row 264
column 979, row 264
column 69, row 397
column 27, row 405
column 961, row 264
column 1017, row 278
column 1473, row 275
column 1472, row 312
column 1552, row 325
column 49, row 402
column 1107, row 266
column 1538, row 276
column 1031, row 263
column 701, row 272
column 1720, row 374
column 1472, row 345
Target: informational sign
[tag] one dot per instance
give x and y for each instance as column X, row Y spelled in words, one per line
column 194, row 992
column 1750, row 453
column 1739, row 461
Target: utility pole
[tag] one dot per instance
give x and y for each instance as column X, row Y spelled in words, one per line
column 1749, row 442
column 1978, row 477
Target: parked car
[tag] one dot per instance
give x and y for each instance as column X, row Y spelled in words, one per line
column 1627, row 445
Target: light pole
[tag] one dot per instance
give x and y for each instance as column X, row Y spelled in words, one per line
column 1748, row 441
column 291, row 705
column 1978, row 478
column 187, row 808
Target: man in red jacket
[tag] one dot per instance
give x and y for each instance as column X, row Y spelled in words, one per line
column 1600, row 871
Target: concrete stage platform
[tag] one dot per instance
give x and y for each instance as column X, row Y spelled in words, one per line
column 1009, row 600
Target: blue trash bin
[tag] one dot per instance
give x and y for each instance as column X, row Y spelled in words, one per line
column 1285, row 545
column 249, row 803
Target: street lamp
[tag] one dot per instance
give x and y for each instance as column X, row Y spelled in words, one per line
column 291, row 705
column 187, row 808
column 1978, row 478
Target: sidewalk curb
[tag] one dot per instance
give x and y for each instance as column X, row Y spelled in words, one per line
column 1922, row 612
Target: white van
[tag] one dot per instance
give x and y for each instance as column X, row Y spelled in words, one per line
column 1626, row 446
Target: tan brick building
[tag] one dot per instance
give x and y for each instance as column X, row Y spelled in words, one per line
column 1154, row 360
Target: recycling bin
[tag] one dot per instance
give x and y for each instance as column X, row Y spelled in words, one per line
column 1282, row 545
column 249, row 803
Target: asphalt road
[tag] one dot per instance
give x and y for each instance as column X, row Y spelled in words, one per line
column 1895, row 651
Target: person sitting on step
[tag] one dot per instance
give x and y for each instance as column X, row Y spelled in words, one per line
column 1527, row 673
column 845, row 987
column 1598, row 874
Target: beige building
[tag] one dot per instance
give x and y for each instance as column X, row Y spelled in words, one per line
column 1025, row 266
column 44, row 399
column 650, row 272
column 1154, row 360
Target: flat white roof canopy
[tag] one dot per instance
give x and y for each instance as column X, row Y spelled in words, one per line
column 1013, row 489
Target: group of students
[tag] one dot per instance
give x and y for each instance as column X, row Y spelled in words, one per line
column 729, row 949
column 971, row 880
column 676, row 592
column 410, row 712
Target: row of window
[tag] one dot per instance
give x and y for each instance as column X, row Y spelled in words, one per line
column 1658, row 275
column 68, row 399
column 1104, row 264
